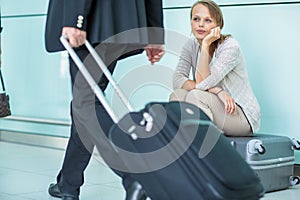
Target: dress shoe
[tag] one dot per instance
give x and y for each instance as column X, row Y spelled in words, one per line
column 136, row 192
column 54, row 190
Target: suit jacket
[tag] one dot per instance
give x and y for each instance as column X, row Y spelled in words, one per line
column 102, row 19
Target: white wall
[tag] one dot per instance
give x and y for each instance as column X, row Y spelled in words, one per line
column 37, row 82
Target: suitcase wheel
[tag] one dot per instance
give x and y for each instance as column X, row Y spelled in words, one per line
column 256, row 146
column 259, row 147
column 294, row 180
column 296, row 144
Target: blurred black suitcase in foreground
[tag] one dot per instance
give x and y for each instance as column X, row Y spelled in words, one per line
column 205, row 165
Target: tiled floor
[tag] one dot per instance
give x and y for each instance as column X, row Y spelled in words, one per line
column 26, row 171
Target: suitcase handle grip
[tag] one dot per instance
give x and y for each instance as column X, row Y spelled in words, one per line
column 147, row 119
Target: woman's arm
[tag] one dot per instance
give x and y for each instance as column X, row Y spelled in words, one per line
column 189, row 85
column 186, row 60
column 203, row 70
column 227, row 58
column 229, row 102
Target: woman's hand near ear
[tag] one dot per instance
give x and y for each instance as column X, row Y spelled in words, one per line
column 215, row 34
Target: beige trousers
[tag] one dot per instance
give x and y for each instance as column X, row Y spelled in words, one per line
column 235, row 124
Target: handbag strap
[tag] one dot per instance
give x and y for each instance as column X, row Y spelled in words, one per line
column 2, row 82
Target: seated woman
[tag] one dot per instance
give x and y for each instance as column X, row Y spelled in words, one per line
column 220, row 85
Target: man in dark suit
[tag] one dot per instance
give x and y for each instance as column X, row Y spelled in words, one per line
column 99, row 21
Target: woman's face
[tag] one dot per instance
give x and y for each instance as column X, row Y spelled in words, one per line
column 201, row 22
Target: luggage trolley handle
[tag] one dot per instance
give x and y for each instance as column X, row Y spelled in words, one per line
column 108, row 75
column 148, row 120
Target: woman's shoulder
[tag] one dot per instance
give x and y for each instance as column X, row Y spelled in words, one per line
column 191, row 43
column 229, row 46
column 230, row 42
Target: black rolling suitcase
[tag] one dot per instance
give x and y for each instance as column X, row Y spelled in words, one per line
column 174, row 151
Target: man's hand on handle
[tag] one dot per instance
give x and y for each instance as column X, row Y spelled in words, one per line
column 76, row 37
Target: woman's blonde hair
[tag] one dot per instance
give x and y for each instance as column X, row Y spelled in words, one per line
column 217, row 15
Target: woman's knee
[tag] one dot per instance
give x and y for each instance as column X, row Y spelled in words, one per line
column 201, row 99
column 178, row 95
column 197, row 96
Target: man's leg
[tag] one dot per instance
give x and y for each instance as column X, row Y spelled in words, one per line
column 71, row 178
column 77, row 156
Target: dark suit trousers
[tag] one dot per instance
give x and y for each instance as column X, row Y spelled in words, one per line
column 78, row 153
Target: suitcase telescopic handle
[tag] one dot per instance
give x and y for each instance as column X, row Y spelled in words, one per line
column 94, row 86
column 148, row 120
column 108, row 75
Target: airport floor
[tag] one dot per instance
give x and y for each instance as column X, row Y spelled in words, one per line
column 26, row 172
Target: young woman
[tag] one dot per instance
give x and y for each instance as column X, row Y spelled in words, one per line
column 220, row 85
